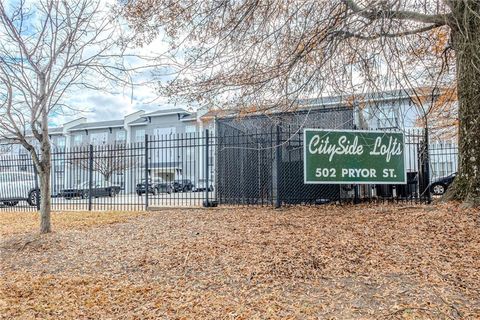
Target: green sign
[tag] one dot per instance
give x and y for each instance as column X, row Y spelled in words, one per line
column 353, row 156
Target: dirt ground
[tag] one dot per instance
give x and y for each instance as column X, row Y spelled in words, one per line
column 326, row 262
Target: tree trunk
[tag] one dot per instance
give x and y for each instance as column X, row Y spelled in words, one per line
column 45, row 199
column 45, row 168
column 466, row 42
column 45, row 192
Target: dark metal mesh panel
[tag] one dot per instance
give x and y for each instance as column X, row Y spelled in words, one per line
column 257, row 141
column 328, row 118
column 244, row 166
column 292, row 189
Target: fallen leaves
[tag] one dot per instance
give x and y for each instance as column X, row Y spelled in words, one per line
column 365, row 261
column 20, row 222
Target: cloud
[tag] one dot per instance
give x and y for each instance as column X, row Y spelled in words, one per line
column 121, row 100
column 116, row 100
column 101, row 106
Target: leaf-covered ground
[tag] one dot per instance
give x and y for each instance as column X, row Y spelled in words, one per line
column 383, row 261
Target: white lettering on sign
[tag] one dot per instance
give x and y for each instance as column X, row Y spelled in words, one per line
column 359, row 173
column 393, row 148
column 345, row 146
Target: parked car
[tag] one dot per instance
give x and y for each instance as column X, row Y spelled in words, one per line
column 182, row 185
column 164, row 187
column 99, row 189
column 154, row 187
column 201, row 187
column 18, row 186
column 440, row 186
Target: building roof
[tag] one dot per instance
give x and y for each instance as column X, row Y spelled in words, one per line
column 99, row 124
column 300, row 106
column 159, row 113
column 328, row 102
column 51, row 131
column 166, row 112
column 139, row 121
column 55, row 130
column 189, row 117
column 350, row 99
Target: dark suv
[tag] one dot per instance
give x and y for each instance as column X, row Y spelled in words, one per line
column 154, row 187
column 182, row 185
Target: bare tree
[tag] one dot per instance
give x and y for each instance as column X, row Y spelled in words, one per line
column 269, row 53
column 47, row 49
column 107, row 160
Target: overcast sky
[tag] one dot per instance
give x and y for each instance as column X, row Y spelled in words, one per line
column 117, row 101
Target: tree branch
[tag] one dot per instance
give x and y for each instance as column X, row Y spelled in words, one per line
column 349, row 34
column 375, row 14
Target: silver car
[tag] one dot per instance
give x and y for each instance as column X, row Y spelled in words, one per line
column 18, row 186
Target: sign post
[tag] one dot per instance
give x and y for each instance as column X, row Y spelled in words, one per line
column 353, row 157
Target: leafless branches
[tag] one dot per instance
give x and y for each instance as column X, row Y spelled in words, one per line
column 264, row 55
column 45, row 51
column 49, row 49
column 107, row 160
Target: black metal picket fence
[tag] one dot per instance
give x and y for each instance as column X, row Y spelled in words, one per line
column 227, row 167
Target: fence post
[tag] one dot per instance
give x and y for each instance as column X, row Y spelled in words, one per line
column 206, row 202
column 427, row 166
column 37, row 190
column 146, row 172
column 278, row 163
column 90, row 177
column 356, row 194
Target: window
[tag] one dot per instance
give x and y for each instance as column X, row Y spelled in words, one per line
column 140, row 135
column 98, row 138
column 61, row 142
column 77, row 140
column 166, row 144
column 164, row 131
column 16, row 149
column 120, row 136
column 190, row 129
column 387, row 117
column 5, row 148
